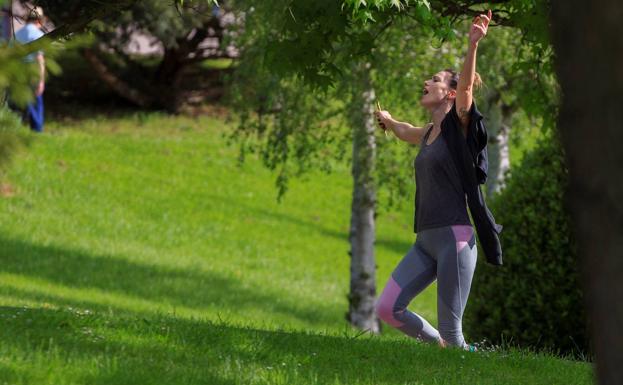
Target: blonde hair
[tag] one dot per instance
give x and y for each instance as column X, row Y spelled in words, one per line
column 454, row 79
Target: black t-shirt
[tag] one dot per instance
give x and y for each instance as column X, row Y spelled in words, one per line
column 440, row 199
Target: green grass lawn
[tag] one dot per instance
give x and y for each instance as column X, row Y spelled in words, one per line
column 135, row 250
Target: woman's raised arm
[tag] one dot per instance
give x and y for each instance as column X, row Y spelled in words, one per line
column 464, row 88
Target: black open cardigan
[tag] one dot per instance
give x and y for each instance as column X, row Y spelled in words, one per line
column 469, row 154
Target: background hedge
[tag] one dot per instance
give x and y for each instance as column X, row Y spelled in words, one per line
column 535, row 299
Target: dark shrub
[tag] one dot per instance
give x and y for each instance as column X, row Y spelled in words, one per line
column 535, row 299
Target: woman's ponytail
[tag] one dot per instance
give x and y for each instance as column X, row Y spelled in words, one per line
column 454, row 79
column 477, row 81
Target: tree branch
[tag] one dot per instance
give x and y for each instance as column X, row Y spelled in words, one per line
column 114, row 82
column 81, row 17
column 458, row 9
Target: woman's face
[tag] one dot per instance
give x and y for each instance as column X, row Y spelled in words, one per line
column 436, row 89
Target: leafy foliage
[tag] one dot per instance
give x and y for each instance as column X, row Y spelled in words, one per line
column 12, row 136
column 535, row 300
column 314, row 26
column 16, row 76
column 292, row 48
column 158, row 18
column 284, row 89
column 178, row 34
column 293, row 132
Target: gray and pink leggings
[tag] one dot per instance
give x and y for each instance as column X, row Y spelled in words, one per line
column 447, row 254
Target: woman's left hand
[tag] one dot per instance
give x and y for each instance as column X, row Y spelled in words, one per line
column 479, row 28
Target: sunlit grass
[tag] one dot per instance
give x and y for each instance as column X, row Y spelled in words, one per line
column 136, row 250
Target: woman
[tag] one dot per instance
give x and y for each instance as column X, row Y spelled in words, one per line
column 445, row 248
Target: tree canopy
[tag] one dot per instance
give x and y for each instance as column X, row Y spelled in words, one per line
column 293, row 48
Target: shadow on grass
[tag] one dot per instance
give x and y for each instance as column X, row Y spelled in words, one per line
column 92, row 349
column 169, row 287
column 102, row 349
column 167, row 350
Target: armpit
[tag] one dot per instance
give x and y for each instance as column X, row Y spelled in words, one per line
column 463, row 115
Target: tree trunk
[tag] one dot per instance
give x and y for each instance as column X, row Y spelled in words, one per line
column 166, row 81
column 498, row 127
column 114, row 82
column 589, row 46
column 362, row 296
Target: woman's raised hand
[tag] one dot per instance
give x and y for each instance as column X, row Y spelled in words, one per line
column 479, row 27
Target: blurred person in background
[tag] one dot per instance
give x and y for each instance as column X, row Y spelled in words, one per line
column 34, row 113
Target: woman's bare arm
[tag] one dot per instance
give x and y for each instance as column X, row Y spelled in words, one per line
column 409, row 133
column 464, row 97
column 403, row 130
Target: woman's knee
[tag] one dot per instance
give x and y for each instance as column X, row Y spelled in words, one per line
column 386, row 305
column 386, row 311
column 383, row 309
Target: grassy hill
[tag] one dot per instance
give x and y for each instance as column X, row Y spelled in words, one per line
column 136, row 250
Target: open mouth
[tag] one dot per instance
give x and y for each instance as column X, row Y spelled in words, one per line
column 424, row 91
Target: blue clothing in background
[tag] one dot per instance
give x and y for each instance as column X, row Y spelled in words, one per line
column 34, row 110
column 25, row 35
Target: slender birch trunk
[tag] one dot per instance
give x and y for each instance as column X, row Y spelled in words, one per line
column 499, row 156
column 362, row 296
column 498, row 127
